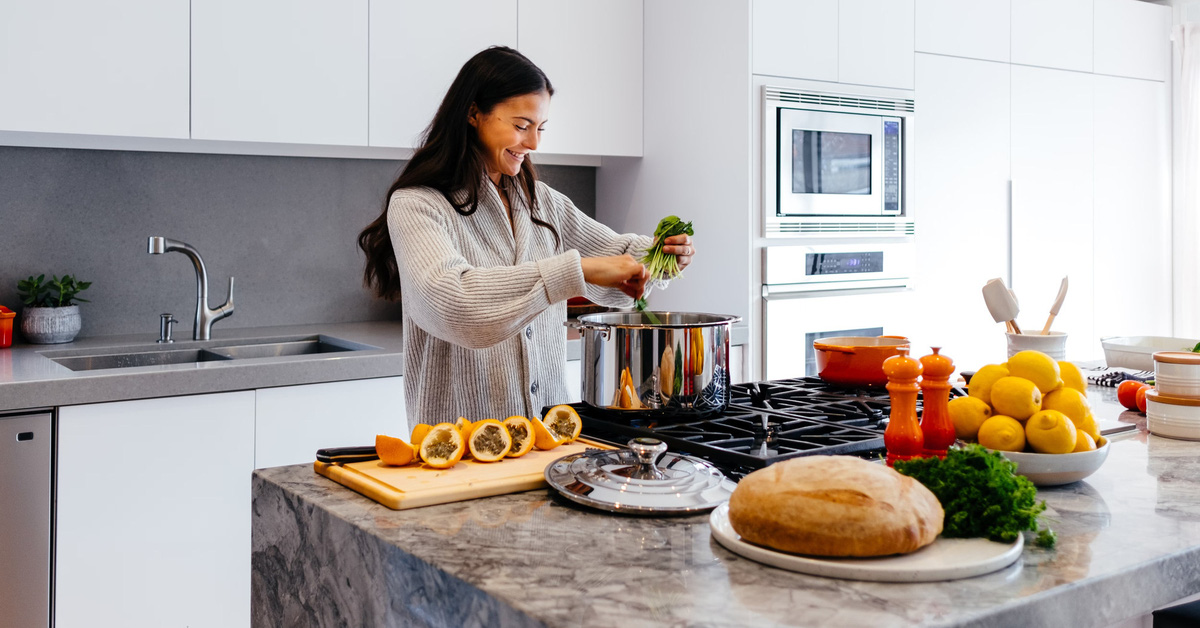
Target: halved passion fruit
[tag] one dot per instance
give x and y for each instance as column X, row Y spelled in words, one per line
column 543, row 438
column 521, row 431
column 489, row 440
column 564, row 422
column 392, row 450
column 464, row 427
column 419, row 433
column 443, row 446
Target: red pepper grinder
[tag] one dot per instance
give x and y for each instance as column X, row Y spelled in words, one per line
column 935, row 416
column 903, row 436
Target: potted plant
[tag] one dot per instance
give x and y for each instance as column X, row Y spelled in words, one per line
column 50, row 315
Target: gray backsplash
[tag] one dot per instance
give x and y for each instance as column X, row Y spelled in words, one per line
column 285, row 227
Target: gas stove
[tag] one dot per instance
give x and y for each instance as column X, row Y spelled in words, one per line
column 765, row 422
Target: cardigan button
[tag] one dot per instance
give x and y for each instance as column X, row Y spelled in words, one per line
column 529, row 332
column 533, row 388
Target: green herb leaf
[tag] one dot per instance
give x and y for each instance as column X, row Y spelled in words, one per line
column 980, row 493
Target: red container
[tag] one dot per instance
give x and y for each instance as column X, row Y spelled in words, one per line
column 6, row 325
column 856, row 360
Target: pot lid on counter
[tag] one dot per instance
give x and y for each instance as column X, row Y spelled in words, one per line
column 644, row 479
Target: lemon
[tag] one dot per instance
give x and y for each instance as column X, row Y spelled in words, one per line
column 1051, row 432
column 1072, row 377
column 983, row 379
column 1084, row 442
column 1016, row 397
column 967, row 414
column 1002, row 433
column 1088, row 425
column 1036, row 367
column 1068, row 401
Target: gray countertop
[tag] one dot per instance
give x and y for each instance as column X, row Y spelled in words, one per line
column 1129, row 542
column 30, row 379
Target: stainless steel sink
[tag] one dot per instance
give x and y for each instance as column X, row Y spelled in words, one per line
column 141, row 358
column 220, row 351
column 308, row 346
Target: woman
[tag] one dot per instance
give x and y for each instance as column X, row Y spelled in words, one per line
column 483, row 256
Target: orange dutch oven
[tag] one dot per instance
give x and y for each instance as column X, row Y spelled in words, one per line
column 856, row 360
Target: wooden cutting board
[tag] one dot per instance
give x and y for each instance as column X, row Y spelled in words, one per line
column 416, row 485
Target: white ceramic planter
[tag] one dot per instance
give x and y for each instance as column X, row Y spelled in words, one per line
column 50, row 325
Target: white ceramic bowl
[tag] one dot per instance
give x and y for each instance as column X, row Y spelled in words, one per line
column 1173, row 417
column 1177, row 373
column 1136, row 352
column 1055, row 469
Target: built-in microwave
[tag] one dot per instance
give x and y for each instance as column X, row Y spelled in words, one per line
column 832, row 156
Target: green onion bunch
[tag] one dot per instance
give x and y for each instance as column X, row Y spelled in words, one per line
column 663, row 267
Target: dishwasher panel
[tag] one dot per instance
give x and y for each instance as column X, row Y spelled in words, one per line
column 26, row 446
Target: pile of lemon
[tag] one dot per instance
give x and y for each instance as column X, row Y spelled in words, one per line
column 1030, row 403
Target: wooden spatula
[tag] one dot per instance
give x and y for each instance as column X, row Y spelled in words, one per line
column 1000, row 303
column 1062, row 294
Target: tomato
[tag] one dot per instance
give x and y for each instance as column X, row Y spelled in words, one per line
column 1127, row 393
column 1141, row 398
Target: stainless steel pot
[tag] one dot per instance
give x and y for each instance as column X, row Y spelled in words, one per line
column 677, row 366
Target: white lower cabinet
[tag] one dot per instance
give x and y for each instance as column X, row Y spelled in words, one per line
column 293, row 422
column 153, row 525
column 154, row 498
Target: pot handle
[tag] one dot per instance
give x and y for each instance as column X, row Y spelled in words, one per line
column 580, row 325
column 820, row 346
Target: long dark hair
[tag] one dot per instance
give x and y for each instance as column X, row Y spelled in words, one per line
column 449, row 158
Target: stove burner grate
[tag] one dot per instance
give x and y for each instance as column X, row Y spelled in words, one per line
column 764, row 423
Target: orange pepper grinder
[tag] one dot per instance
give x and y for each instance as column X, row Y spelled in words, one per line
column 903, row 437
column 935, row 416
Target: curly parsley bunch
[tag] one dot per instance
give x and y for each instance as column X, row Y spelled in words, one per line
column 981, row 494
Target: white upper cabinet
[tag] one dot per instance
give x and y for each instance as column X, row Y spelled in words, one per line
column 95, row 68
column 978, row 29
column 1052, row 202
column 795, row 39
column 875, row 43
column 1133, row 39
column 1132, row 207
column 414, row 58
column 1052, row 33
column 290, row 71
column 591, row 50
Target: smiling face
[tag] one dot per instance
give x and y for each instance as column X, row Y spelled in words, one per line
column 509, row 131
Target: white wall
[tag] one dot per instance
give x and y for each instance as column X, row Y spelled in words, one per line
column 696, row 147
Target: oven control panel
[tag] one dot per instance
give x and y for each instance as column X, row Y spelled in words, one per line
column 842, row 263
column 846, row 266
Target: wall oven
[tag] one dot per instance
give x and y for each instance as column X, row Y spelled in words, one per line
column 814, row 291
column 834, row 163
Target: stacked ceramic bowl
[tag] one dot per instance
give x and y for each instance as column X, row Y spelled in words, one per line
column 1173, row 407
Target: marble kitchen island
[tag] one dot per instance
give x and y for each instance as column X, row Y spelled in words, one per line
column 1129, row 542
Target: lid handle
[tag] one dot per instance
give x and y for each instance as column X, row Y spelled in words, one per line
column 647, row 451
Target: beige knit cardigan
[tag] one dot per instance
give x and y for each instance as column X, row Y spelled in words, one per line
column 483, row 307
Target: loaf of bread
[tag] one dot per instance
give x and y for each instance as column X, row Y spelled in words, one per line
column 834, row 506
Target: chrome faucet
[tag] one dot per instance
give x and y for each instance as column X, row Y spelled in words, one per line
column 202, row 330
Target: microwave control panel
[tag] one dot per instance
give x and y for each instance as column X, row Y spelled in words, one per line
column 891, row 167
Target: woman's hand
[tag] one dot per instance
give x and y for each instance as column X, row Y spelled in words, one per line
column 619, row 271
column 681, row 247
